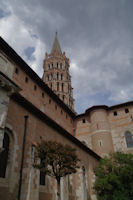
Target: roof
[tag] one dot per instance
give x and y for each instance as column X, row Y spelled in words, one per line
column 35, row 111
column 56, row 46
column 25, row 67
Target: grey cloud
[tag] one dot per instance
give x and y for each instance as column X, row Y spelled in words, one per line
column 96, row 35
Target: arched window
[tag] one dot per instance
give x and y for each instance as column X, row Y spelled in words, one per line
column 48, row 77
column 62, row 87
column 4, row 156
column 57, row 86
column 61, row 76
column 129, row 139
column 63, row 97
column 57, row 76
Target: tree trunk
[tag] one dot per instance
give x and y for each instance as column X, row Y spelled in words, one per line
column 58, row 189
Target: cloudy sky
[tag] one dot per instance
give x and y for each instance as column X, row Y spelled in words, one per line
column 97, row 36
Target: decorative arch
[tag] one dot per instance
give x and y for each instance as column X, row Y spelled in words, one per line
column 8, row 155
column 4, row 155
column 129, row 139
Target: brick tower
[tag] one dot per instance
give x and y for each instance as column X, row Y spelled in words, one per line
column 56, row 74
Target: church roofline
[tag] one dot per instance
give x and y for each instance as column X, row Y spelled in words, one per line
column 105, row 107
column 25, row 67
column 34, row 110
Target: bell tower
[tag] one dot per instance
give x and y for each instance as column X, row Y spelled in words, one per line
column 56, row 74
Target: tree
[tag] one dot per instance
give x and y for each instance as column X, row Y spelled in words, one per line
column 57, row 160
column 114, row 177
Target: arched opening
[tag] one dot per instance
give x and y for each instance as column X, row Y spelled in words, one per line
column 61, row 76
column 57, row 76
column 57, row 86
column 62, row 87
column 129, row 139
column 4, row 156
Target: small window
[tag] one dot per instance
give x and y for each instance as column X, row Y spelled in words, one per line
column 83, row 120
column 16, row 70
column 55, row 107
column 126, row 110
column 115, row 113
column 26, row 79
column 49, row 101
column 43, row 94
column 42, row 178
column 62, row 87
column 61, row 112
column 66, row 116
column 100, row 142
column 57, row 86
column 57, row 76
column 129, row 139
column 35, row 87
column 63, row 97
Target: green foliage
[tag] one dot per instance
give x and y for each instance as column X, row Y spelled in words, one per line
column 114, row 177
column 57, row 160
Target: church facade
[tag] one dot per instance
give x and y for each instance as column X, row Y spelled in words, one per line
column 36, row 107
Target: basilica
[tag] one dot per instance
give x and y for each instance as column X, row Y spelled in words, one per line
column 32, row 107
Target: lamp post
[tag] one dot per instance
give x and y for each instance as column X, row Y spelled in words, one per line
column 22, row 157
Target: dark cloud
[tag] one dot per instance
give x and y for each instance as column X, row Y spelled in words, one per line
column 96, row 35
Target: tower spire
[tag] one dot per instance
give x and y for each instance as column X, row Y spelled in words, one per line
column 56, row 46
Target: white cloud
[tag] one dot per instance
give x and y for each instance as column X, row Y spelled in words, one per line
column 18, row 35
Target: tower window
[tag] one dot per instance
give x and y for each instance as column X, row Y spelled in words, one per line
column 129, row 139
column 61, row 76
column 126, row 110
column 83, row 121
column 57, row 86
column 57, row 65
column 63, row 97
column 62, row 87
column 115, row 113
column 100, row 143
column 57, row 76
column 52, row 65
column 4, row 156
column 48, row 66
column 26, row 79
column 16, row 70
column 61, row 112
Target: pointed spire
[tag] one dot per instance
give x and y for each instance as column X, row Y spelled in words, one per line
column 56, row 46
